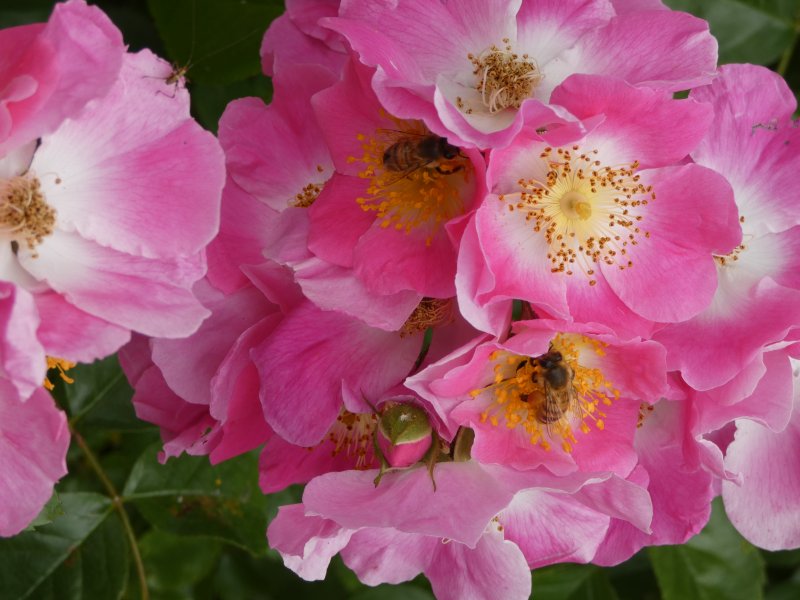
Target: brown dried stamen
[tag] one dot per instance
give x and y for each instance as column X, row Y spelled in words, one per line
column 24, row 213
column 351, row 434
column 503, row 78
column 430, row 312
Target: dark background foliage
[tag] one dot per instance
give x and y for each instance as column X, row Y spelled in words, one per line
column 120, row 521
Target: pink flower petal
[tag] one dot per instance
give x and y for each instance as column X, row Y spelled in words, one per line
column 134, row 172
column 33, row 449
column 147, row 295
column 306, row 543
column 389, row 556
column 68, row 332
column 22, row 359
column 467, row 497
column 495, row 568
column 752, row 141
column 63, row 64
column 311, row 355
column 764, row 507
column 258, row 137
column 640, row 123
column 188, row 364
column 549, row 528
column 624, row 48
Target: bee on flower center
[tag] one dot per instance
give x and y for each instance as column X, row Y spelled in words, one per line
column 413, row 152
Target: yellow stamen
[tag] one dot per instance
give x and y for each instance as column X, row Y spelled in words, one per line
column 420, row 193
column 588, row 213
column 518, row 393
column 62, row 366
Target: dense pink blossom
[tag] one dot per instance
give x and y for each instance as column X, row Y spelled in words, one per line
column 202, row 390
column 752, row 142
column 607, row 227
column 391, row 224
column 475, row 70
column 120, row 249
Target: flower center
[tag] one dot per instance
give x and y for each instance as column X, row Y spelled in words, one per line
column 587, row 212
column 415, row 178
column 352, row 433
column 549, row 395
column 24, row 213
column 309, row 193
column 430, row 312
column 504, row 79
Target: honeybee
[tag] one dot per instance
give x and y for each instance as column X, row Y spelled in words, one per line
column 418, row 151
column 559, row 392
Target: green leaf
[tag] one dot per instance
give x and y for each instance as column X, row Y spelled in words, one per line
column 188, row 496
column 755, row 31
column 241, row 576
column 210, row 101
column 176, row 563
column 717, row 564
column 218, row 39
column 22, row 12
column 49, row 513
column 572, row 582
column 99, row 397
column 80, row 554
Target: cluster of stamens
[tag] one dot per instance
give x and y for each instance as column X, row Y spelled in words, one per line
column 24, row 213
column 61, row 366
column 309, row 193
column 504, row 78
column 352, row 433
column 518, row 394
column 587, row 212
column 424, row 196
column 430, row 312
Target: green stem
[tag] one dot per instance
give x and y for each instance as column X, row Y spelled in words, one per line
column 116, row 500
column 786, row 57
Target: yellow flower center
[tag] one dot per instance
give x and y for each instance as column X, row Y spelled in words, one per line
column 24, row 213
column 588, row 213
column 549, row 396
column 416, row 179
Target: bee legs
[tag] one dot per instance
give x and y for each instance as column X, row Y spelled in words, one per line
column 442, row 171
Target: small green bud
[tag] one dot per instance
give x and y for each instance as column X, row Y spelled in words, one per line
column 404, row 423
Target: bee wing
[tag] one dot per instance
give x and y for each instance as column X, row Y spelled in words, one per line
column 396, row 135
column 559, row 404
column 402, row 175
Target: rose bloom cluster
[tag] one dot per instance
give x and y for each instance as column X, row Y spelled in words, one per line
column 482, row 283
column 109, row 194
column 494, row 295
